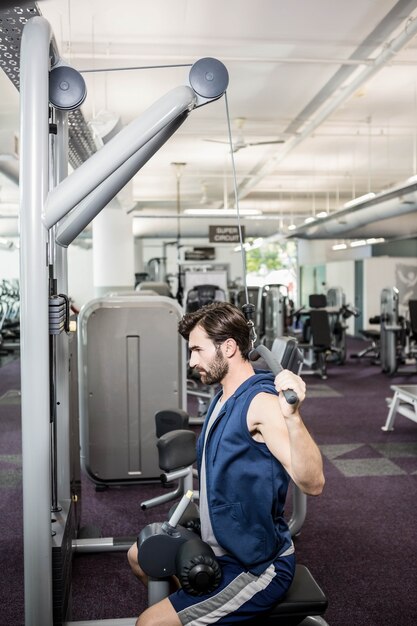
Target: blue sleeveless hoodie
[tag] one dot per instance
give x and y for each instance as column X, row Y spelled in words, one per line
column 246, row 484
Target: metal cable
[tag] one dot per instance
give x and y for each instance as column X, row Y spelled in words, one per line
column 242, row 251
column 137, row 67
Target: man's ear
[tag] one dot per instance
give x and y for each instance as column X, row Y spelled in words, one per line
column 230, row 347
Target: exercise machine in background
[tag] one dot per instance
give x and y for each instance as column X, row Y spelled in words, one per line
column 120, row 385
column 200, row 295
column 373, row 335
column 276, row 312
column 273, row 310
column 323, row 333
column 254, row 294
column 203, row 285
column 9, row 317
column 398, row 333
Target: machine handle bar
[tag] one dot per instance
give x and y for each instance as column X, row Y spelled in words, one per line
column 276, row 367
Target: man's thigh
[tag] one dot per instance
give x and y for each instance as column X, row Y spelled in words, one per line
column 160, row 614
column 240, row 595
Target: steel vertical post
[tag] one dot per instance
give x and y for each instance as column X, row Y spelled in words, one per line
column 34, row 322
column 61, row 274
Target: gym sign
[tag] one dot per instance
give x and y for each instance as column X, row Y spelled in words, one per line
column 225, row 234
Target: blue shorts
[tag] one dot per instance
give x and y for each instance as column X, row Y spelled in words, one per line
column 240, row 595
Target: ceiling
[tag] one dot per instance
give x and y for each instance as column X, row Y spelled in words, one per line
column 334, row 81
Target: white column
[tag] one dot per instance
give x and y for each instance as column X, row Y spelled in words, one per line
column 113, row 251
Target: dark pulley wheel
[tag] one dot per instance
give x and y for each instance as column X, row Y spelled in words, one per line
column 67, row 89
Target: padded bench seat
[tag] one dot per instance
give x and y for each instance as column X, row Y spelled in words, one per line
column 304, row 598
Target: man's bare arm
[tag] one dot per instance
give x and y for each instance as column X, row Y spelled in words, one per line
column 280, row 426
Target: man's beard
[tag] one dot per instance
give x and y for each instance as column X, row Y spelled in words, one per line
column 217, row 370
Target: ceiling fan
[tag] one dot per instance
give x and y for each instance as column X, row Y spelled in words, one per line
column 240, row 142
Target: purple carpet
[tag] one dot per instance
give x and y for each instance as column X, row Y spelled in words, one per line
column 359, row 538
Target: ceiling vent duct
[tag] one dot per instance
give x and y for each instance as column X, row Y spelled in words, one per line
column 357, row 217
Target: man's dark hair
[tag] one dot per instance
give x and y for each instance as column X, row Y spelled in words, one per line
column 221, row 321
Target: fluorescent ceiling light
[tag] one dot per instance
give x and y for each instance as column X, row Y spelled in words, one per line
column 246, row 246
column 339, row 246
column 359, row 200
column 357, row 243
column 292, row 227
column 322, row 214
column 222, row 212
column 308, row 220
column 256, row 243
column 375, row 240
column 7, row 244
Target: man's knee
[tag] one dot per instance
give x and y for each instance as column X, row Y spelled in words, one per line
column 132, row 557
column 147, row 618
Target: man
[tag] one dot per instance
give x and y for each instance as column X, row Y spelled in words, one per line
column 252, row 443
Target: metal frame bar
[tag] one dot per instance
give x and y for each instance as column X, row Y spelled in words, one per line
column 61, row 142
column 34, row 329
column 299, row 510
column 114, row 154
column 129, row 621
column 403, row 395
column 74, row 223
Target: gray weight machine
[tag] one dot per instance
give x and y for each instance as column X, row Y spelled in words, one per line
column 120, row 388
column 274, row 303
column 390, row 327
column 271, row 307
column 9, row 317
column 254, row 294
column 336, row 301
column 324, row 331
column 398, row 337
column 55, row 208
